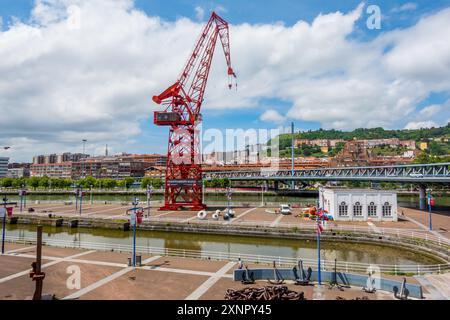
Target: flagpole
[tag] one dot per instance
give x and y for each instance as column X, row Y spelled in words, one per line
column 319, row 276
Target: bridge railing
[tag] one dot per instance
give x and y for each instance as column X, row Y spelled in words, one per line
column 412, row 171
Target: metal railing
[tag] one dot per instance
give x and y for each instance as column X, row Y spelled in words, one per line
column 417, row 234
column 433, row 172
column 326, row 265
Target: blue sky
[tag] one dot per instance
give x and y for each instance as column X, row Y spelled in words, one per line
column 396, row 15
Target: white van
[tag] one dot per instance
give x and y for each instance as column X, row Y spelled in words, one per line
column 285, row 209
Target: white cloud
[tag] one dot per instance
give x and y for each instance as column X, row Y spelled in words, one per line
column 199, row 13
column 272, row 115
column 421, row 124
column 431, row 110
column 409, row 6
column 62, row 81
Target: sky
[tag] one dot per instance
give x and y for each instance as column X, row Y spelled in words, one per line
column 87, row 69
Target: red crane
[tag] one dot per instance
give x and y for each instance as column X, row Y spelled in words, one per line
column 182, row 102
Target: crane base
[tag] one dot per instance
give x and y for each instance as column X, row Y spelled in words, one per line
column 187, row 207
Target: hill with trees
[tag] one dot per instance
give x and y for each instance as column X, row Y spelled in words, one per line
column 424, row 134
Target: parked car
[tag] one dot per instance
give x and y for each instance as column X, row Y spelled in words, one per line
column 285, row 209
column 416, row 175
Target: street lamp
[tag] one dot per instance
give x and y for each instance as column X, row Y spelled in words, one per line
column 229, row 192
column 84, row 162
column 133, row 220
column 23, row 196
column 430, row 203
column 263, row 189
column 149, row 193
column 3, row 216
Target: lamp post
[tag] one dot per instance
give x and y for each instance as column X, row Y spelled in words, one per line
column 149, row 193
column 91, row 194
column 292, row 155
column 81, row 197
column 430, row 199
column 318, row 231
column 84, row 159
column 229, row 192
column 133, row 220
column 3, row 213
column 23, row 197
column 263, row 189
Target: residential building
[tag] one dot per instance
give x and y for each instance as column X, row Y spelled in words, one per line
column 115, row 167
column 359, row 204
column 155, row 172
column 59, row 158
column 4, row 166
column 330, row 143
column 18, row 170
column 423, row 145
column 52, row 170
column 154, row 159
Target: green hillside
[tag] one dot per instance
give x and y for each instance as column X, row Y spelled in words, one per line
column 425, row 134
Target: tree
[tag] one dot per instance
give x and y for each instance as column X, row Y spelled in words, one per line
column 88, row 182
column 33, row 182
column 145, row 182
column 44, row 182
column 127, row 182
column 7, row 182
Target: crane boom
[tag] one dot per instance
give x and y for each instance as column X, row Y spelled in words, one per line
column 182, row 102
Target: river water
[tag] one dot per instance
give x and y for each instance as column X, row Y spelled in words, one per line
column 365, row 253
column 409, row 201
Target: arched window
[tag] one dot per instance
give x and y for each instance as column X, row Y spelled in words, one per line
column 387, row 209
column 372, row 210
column 343, row 209
column 357, row 209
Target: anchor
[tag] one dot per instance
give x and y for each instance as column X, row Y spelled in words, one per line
column 404, row 292
column 247, row 277
column 277, row 276
column 334, row 283
column 304, row 279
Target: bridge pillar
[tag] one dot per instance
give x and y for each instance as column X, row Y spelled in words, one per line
column 422, row 196
column 275, row 185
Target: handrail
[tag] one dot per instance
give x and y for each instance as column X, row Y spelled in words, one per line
column 216, row 255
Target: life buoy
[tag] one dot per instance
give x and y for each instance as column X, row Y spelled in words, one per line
column 202, row 215
column 218, row 212
column 215, row 216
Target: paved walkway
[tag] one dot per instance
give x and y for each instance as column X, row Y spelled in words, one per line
column 205, row 286
column 105, row 276
column 437, row 234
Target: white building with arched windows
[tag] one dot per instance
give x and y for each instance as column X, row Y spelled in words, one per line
column 359, row 204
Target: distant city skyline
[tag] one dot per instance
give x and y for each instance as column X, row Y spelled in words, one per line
column 83, row 75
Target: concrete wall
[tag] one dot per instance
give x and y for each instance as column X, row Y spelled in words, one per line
column 346, row 279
